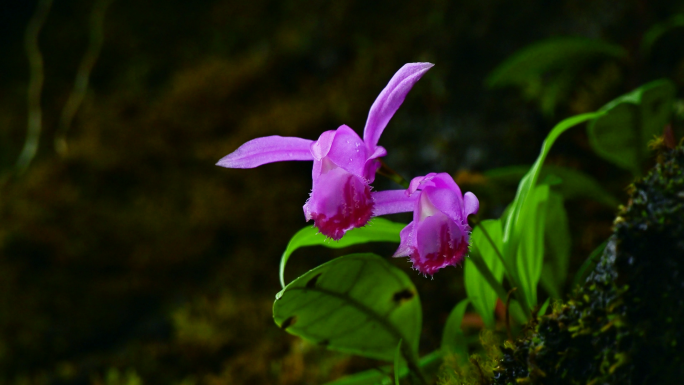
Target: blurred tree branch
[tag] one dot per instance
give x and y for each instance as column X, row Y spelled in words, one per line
column 83, row 75
column 36, row 77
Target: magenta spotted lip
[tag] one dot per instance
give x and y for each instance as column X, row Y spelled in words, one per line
column 345, row 202
column 439, row 234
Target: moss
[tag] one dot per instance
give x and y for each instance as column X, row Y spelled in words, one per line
column 480, row 367
column 624, row 325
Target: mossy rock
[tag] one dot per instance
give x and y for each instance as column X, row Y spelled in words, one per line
column 625, row 325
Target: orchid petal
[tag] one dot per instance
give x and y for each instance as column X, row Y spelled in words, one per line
column 370, row 168
column 440, row 242
column 407, row 243
column 392, row 202
column 372, row 164
column 417, row 182
column 321, row 147
column 268, row 149
column 339, row 201
column 378, row 152
column 389, row 100
column 471, row 203
column 348, row 151
column 446, row 196
column 424, row 209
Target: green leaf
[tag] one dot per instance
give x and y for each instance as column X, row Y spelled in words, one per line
column 517, row 313
column 513, row 227
column 530, row 256
column 453, row 339
column 621, row 135
column 557, row 246
column 542, row 309
column 377, row 230
column 381, row 375
column 659, row 30
column 480, row 292
column 477, row 261
column 589, row 264
column 368, row 377
column 539, row 58
column 359, row 304
column 576, row 184
column 397, row 362
column 547, row 71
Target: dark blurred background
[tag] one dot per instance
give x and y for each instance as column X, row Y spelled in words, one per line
column 133, row 259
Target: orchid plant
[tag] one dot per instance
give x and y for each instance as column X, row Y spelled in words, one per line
column 362, row 304
column 344, row 165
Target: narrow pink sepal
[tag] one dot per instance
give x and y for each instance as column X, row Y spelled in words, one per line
column 392, row 202
column 389, row 100
column 268, row 149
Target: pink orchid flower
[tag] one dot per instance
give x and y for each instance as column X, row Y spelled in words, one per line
column 344, row 165
column 439, row 234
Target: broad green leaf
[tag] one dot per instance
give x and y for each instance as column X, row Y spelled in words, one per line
column 359, row 304
column 453, row 339
column 377, row 230
column 530, row 257
column 557, row 246
column 533, row 61
column 381, row 376
column 482, row 295
column 659, row 30
column 513, row 227
column 547, row 71
column 558, row 87
column 397, row 362
column 576, row 184
column 621, row 135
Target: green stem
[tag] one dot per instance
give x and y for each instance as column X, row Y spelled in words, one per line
column 413, row 365
column 387, row 172
column 508, row 270
column 482, row 267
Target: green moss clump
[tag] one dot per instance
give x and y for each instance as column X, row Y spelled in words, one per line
column 624, row 326
column 478, row 369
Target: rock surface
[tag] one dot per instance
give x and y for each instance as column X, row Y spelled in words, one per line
column 624, row 326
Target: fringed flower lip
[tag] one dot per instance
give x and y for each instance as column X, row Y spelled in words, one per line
column 439, row 234
column 344, row 164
